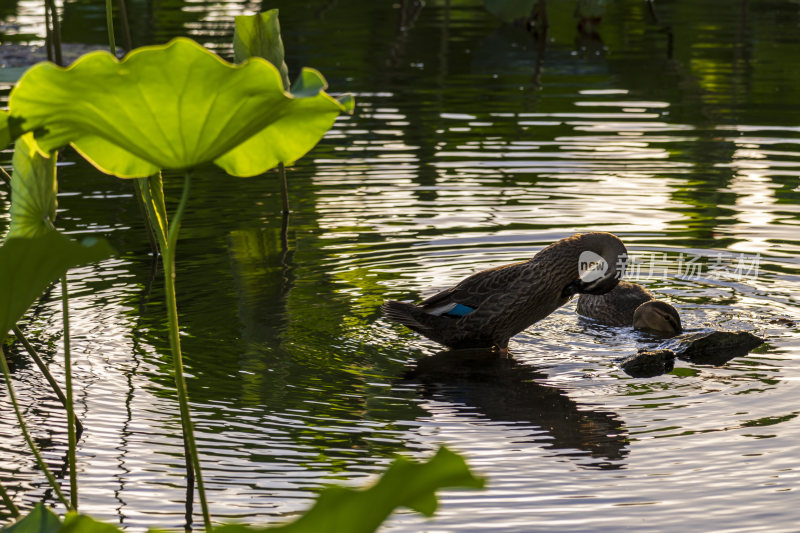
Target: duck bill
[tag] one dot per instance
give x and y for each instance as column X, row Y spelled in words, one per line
column 596, row 286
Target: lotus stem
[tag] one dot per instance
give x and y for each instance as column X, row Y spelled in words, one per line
column 26, row 434
column 72, row 440
column 153, row 196
column 5, row 177
column 48, row 34
column 189, row 503
column 139, row 185
column 110, row 24
column 152, row 189
column 56, row 33
column 44, row 370
column 168, row 253
column 8, row 502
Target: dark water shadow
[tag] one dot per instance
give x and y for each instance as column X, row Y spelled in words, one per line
column 505, row 390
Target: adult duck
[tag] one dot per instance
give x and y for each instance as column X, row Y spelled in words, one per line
column 489, row 307
column 629, row 304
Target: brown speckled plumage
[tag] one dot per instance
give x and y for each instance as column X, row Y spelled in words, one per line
column 616, row 307
column 629, row 304
column 507, row 299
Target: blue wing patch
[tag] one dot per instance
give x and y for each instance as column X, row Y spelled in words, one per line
column 459, row 310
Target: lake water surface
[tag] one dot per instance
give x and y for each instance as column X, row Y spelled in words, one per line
column 472, row 145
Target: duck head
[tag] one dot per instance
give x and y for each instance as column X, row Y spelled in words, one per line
column 600, row 263
column 657, row 317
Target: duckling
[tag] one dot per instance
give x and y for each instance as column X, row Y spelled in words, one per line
column 658, row 317
column 629, row 304
column 488, row 308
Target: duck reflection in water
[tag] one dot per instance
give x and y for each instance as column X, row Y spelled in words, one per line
column 506, row 390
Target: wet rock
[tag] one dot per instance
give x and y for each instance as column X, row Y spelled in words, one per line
column 713, row 347
column 649, row 363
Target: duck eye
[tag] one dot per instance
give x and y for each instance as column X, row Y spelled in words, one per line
column 572, row 289
column 672, row 322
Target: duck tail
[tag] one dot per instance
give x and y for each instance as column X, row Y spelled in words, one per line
column 404, row 313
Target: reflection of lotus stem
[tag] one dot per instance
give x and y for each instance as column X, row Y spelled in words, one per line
column 168, row 253
column 73, row 472
column 110, row 24
column 126, row 28
column 284, row 188
column 24, row 428
column 8, row 502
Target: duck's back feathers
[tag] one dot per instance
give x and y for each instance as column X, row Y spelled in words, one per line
column 419, row 318
column 472, row 291
column 615, row 308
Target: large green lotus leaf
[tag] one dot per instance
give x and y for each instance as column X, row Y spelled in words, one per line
column 33, row 190
column 289, row 134
column 405, row 483
column 259, row 35
column 39, row 520
column 29, row 264
column 171, row 106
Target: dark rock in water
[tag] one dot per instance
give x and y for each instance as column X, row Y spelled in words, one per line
column 713, row 347
column 649, row 363
column 701, row 347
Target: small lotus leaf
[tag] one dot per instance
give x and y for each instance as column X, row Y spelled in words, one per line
column 39, row 520
column 259, row 35
column 172, row 106
column 81, row 523
column 33, row 190
column 405, row 483
column 29, row 264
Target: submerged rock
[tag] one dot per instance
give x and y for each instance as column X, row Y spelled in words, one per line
column 708, row 347
column 649, row 363
column 712, row 347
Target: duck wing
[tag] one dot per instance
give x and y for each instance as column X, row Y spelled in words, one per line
column 474, row 290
